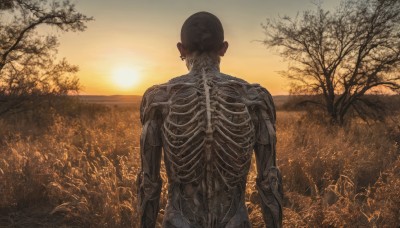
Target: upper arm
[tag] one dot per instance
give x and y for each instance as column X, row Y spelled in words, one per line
column 150, row 139
column 149, row 181
column 265, row 119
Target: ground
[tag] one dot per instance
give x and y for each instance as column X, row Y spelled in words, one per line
column 80, row 170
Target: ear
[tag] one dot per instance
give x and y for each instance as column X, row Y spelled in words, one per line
column 181, row 49
column 223, row 49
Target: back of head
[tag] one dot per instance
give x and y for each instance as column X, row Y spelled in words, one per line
column 202, row 33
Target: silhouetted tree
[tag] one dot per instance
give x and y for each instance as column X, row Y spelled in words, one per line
column 28, row 67
column 341, row 56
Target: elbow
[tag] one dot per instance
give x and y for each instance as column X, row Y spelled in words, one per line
column 148, row 187
column 271, row 182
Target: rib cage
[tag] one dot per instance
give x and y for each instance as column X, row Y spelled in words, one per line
column 207, row 123
column 208, row 133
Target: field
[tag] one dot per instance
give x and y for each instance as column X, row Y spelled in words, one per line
column 80, row 171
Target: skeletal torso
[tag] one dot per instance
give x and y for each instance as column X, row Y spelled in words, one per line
column 208, row 138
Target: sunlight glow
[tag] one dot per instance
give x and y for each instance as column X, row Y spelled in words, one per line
column 125, row 77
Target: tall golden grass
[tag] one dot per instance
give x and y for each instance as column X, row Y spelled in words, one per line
column 81, row 171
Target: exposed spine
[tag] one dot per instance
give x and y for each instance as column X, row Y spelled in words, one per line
column 209, row 138
column 208, row 106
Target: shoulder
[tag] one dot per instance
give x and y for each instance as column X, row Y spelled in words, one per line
column 256, row 96
column 151, row 100
column 153, row 94
column 253, row 91
column 264, row 100
column 157, row 96
column 262, row 93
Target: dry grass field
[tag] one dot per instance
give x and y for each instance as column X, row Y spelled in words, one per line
column 80, row 171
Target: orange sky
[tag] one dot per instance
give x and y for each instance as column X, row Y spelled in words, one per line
column 139, row 37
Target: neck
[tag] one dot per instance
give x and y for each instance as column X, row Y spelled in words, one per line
column 206, row 61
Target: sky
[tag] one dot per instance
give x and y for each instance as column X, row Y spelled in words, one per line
column 131, row 44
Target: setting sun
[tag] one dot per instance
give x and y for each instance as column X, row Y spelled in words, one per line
column 125, row 77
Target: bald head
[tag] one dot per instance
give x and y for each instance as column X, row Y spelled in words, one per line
column 202, row 32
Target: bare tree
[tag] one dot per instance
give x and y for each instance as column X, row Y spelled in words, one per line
column 342, row 55
column 28, row 66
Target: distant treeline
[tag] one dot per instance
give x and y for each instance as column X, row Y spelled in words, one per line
column 282, row 102
column 304, row 102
